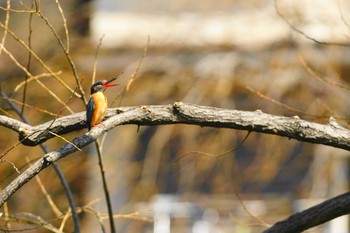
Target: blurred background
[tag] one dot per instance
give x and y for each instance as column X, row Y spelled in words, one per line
column 179, row 178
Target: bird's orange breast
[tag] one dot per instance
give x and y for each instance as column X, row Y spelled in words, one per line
column 100, row 108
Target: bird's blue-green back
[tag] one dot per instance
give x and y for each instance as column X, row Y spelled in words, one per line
column 89, row 111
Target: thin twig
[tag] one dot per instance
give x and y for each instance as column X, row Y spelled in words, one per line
column 64, row 107
column 30, row 106
column 7, row 19
column 67, row 141
column 294, row 28
column 99, row 155
column 64, row 220
column 6, row 112
column 214, row 155
column 314, row 74
column 133, row 76
column 57, row 170
column 16, row 11
column 105, row 187
column 346, row 23
column 97, row 215
column 33, row 78
column 132, row 216
column 126, row 89
column 250, row 213
column 31, row 219
column 88, row 209
column 64, row 25
column 29, row 59
column 12, row 163
column 24, row 69
column 285, row 106
column 68, row 193
column 52, row 204
column 11, row 148
column 55, row 96
column 21, row 42
column 67, row 54
column 17, row 63
column 6, row 216
column 93, row 79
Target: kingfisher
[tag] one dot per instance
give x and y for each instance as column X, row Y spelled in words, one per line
column 97, row 106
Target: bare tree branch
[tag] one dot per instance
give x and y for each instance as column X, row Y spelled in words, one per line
column 330, row 134
column 293, row 127
column 13, row 124
column 316, row 215
column 63, row 151
column 55, row 166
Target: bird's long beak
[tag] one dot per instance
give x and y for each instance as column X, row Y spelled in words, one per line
column 109, row 84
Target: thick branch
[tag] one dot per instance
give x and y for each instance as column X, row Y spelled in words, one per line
column 292, row 127
column 313, row 216
column 180, row 113
column 63, row 151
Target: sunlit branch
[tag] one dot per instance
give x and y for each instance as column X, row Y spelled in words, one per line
column 14, row 36
column 179, row 113
column 330, row 134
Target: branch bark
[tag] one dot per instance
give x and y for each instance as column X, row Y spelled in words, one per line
column 178, row 113
column 316, row 215
column 63, row 151
column 330, row 134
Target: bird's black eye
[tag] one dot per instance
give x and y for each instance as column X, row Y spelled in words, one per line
column 97, row 86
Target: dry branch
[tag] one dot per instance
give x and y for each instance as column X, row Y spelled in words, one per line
column 316, row 215
column 330, row 134
column 178, row 113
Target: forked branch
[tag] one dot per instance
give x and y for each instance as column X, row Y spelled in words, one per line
column 330, row 134
column 178, row 113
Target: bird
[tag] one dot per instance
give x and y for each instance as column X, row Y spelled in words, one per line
column 97, row 106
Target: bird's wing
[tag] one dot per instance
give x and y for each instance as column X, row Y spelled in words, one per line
column 89, row 111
